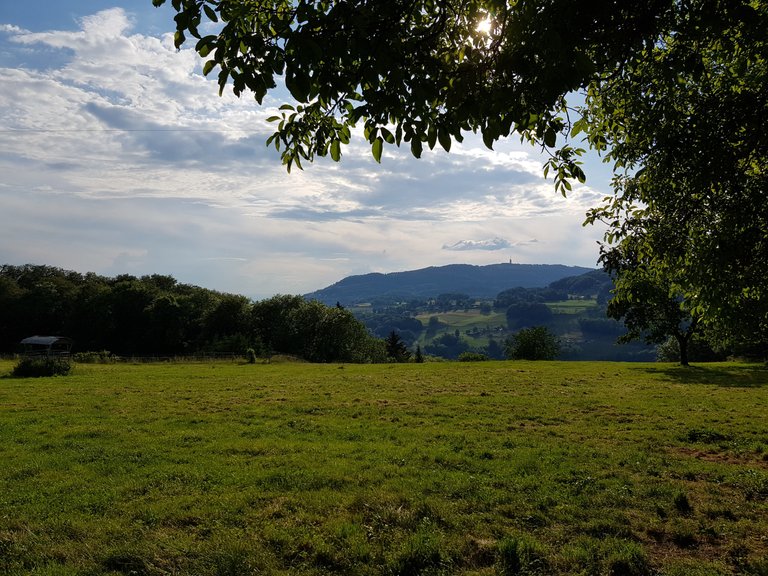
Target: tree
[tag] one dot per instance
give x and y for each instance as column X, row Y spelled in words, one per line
column 396, row 348
column 683, row 123
column 651, row 304
column 271, row 322
column 447, row 346
column 419, row 356
column 433, row 325
column 675, row 95
column 536, row 343
column 329, row 334
column 525, row 314
column 494, row 350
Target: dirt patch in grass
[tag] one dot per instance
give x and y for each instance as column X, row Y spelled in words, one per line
column 721, row 457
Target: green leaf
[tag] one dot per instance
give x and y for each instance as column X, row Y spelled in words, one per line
column 416, row 147
column 298, row 86
column 208, row 66
column 432, row 136
column 445, row 139
column 210, row 13
column 550, row 138
column 274, row 118
column 578, row 127
column 178, row 39
column 488, row 140
column 377, row 148
column 336, row 150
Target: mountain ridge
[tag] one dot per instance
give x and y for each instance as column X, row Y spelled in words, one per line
column 480, row 281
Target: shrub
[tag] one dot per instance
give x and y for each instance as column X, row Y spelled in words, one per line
column 533, row 344
column 101, row 357
column 42, row 366
column 699, row 350
column 250, row 355
column 472, row 357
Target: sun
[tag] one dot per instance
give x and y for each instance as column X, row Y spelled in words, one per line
column 484, row 26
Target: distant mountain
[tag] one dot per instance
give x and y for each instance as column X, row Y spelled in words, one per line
column 476, row 281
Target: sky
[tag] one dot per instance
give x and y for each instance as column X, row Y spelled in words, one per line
column 117, row 156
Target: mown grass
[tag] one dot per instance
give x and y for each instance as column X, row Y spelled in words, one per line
column 493, row 468
column 572, row 306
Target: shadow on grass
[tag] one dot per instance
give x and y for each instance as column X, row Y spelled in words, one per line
column 727, row 376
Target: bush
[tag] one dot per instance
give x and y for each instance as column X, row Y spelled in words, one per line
column 40, row 367
column 533, row 344
column 698, row 351
column 101, row 357
column 472, row 357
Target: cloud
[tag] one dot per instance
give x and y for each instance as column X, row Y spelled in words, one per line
column 492, row 244
column 11, row 29
column 123, row 158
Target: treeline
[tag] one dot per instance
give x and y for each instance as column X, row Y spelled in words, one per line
column 155, row 315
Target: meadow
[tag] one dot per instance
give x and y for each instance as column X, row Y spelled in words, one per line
column 492, row 468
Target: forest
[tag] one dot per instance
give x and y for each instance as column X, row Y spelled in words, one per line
column 154, row 315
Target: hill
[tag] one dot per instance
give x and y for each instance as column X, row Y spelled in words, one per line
column 476, row 281
column 595, row 283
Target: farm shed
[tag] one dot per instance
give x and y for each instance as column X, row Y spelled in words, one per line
column 46, row 346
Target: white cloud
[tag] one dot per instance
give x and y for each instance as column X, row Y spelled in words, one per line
column 491, row 244
column 124, row 159
column 11, row 29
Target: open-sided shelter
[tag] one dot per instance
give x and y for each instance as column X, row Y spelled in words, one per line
column 46, row 346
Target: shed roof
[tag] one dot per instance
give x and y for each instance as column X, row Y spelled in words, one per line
column 46, row 340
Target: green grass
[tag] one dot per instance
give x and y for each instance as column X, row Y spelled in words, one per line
column 492, row 468
column 466, row 319
column 463, row 321
column 572, row 306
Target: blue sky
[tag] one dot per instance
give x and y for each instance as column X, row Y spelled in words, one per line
column 118, row 156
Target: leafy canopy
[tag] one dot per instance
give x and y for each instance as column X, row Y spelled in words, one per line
column 416, row 72
column 536, row 343
column 683, row 121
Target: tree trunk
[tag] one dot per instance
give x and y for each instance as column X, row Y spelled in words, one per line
column 682, row 342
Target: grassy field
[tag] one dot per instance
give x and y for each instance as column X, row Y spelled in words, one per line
column 572, row 306
column 485, row 324
column 493, row 468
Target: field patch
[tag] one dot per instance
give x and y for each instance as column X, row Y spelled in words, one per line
column 445, row 468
